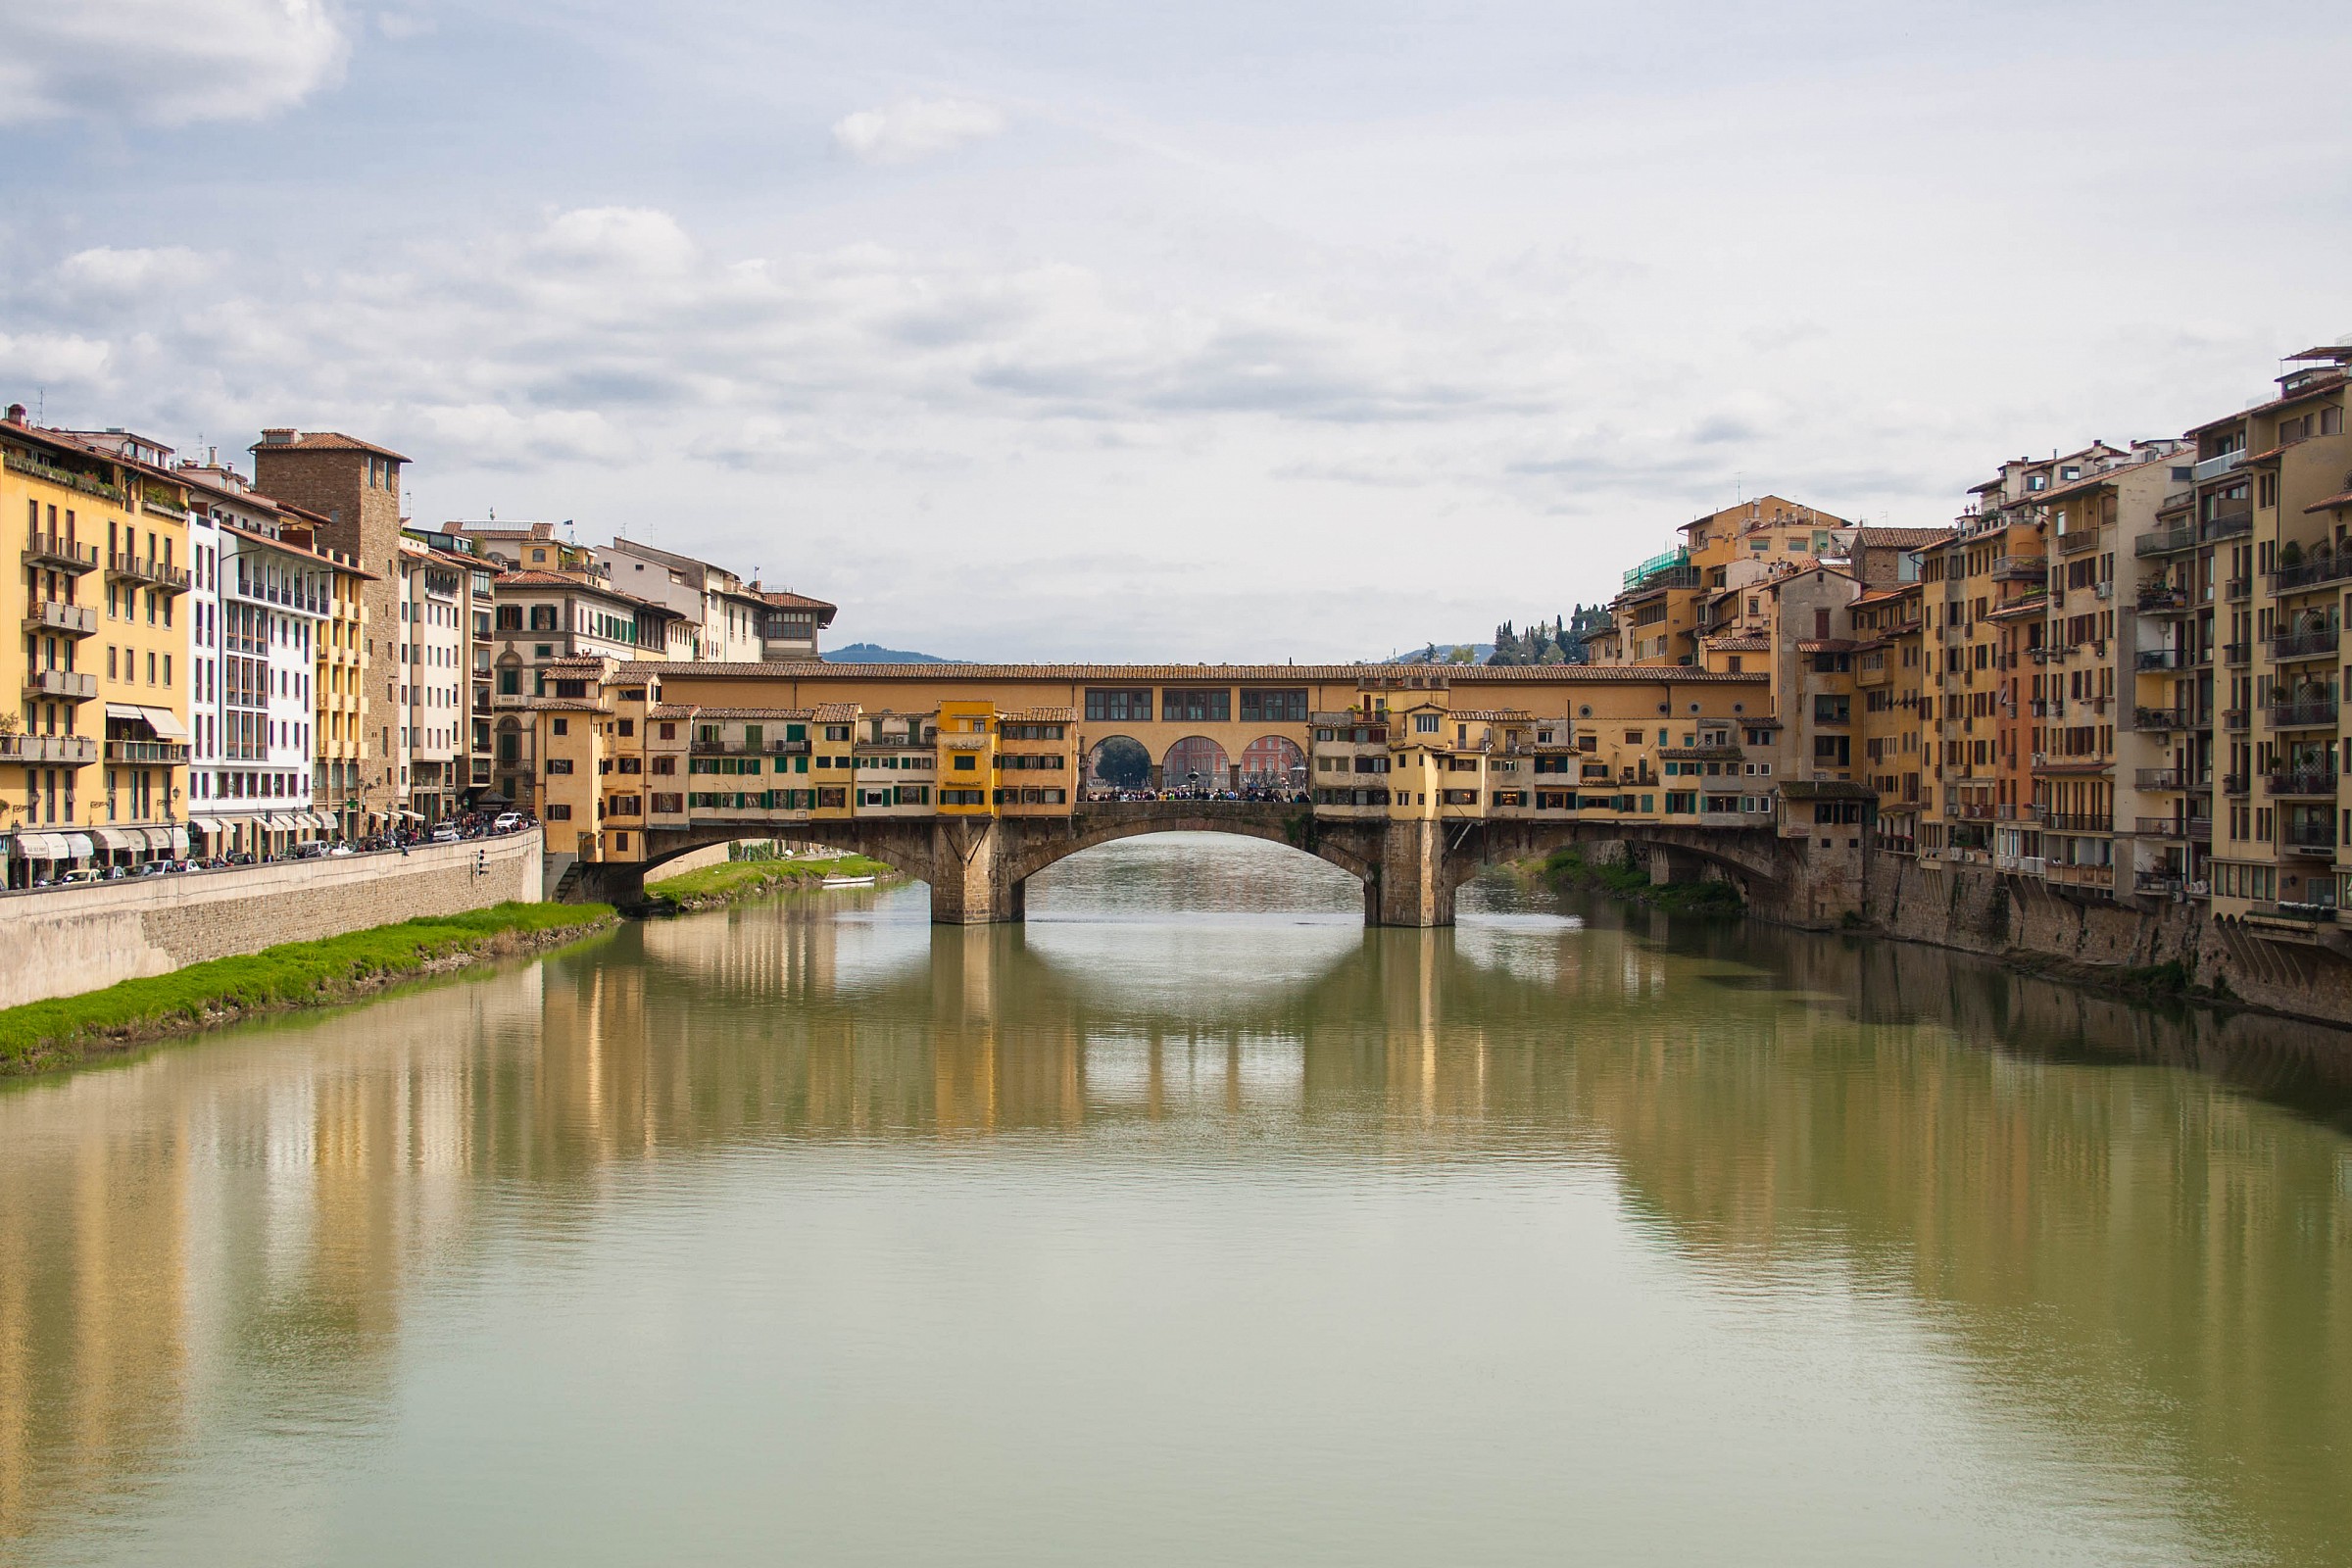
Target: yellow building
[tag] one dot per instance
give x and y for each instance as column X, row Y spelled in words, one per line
column 339, row 680
column 100, row 740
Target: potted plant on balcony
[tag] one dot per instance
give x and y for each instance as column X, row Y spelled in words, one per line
column 2290, row 556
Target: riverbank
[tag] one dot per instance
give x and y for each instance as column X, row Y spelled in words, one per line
column 1630, row 884
column 62, row 1031
column 716, row 886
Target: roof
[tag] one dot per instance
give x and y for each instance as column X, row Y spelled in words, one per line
column 1873, row 596
column 836, row 713
column 801, row 713
column 1384, row 677
column 1827, row 645
column 562, row 704
column 1045, row 716
column 323, row 441
column 670, row 711
column 1867, row 537
column 2304, row 394
column 1745, row 642
column 304, row 551
column 2342, row 499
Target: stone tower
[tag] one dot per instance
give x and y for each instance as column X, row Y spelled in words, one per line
column 355, row 485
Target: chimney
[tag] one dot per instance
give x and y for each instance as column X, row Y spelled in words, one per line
column 15, row 413
column 282, row 436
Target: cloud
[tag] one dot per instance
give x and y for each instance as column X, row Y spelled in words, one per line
column 917, row 127
column 168, row 62
column 106, row 271
column 50, row 359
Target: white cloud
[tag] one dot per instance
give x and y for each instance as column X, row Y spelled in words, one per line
column 400, row 26
column 51, row 358
column 167, row 62
column 917, row 127
column 105, row 270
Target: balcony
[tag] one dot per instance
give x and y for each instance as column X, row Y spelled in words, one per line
column 2020, row 569
column 2302, row 781
column 173, row 753
column 2238, row 588
column 2305, row 644
column 2166, row 541
column 2077, row 823
column 2159, row 598
column 72, row 685
column 2161, row 884
column 70, row 750
column 2237, row 653
column 2307, row 713
column 146, row 572
column 2090, row 878
column 2191, row 829
column 2311, row 573
column 2150, row 658
column 711, row 747
column 2236, row 784
column 2304, row 914
column 2228, row 524
column 2155, row 720
column 2238, row 718
column 61, row 618
column 2307, row 838
column 2214, row 468
column 2075, row 543
column 55, row 552
column 2173, row 779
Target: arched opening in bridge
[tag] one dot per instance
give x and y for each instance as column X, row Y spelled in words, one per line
column 1272, row 761
column 1194, row 763
column 1189, row 875
column 1119, row 764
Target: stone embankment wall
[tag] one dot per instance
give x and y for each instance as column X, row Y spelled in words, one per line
column 62, row 941
column 1980, row 910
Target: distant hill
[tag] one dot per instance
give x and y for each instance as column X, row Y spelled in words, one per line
column 876, row 654
column 1447, row 654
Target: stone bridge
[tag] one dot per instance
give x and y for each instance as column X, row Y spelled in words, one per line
column 978, row 869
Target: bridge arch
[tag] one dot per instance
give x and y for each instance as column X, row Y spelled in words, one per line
column 1196, row 759
column 1273, row 762
column 1119, row 762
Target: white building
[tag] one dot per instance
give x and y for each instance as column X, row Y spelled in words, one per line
column 259, row 603
column 427, row 683
column 725, row 616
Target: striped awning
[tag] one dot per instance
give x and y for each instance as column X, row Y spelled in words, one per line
column 114, row 840
column 77, row 845
column 38, row 847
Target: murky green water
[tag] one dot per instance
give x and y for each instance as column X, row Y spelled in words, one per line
column 1191, row 1223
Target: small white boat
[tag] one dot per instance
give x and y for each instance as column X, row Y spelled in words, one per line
column 847, row 882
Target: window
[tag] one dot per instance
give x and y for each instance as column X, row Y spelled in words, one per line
column 1425, row 723
column 966, row 764
column 1284, row 707
column 1117, row 704
column 1197, row 705
column 558, row 811
column 543, row 618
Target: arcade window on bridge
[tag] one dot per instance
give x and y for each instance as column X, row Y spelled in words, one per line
column 1118, row 705
column 1197, row 705
column 1284, row 707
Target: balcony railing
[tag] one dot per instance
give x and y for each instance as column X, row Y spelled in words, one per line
column 2307, row 713
column 86, row 483
column 2297, row 913
column 2235, row 783
column 72, row 685
column 2165, row 718
column 2160, row 597
column 2162, row 658
column 55, row 615
column 2301, row 781
column 166, row 752
column 73, row 750
column 2238, row 718
column 2228, row 524
column 2331, row 567
column 2237, row 588
column 2304, row 644
column 2214, row 468
column 2165, row 541
column 2020, row 569
column 2196, row 828
column 2169, row 884
column 2077, row 823
column 55, row 553
column 2237, row 653
column 2307, row 836
column 123, row 567
column 2173, row 778
column 2075, row 543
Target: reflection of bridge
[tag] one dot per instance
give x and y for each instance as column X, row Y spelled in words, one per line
column 979, row 868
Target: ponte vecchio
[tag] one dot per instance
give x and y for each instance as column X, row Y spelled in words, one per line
column 974, row 777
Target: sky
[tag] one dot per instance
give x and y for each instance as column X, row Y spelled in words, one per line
column 1215, row 332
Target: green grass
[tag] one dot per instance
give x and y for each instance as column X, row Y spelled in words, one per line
column 53, row 1032
column 749, row 879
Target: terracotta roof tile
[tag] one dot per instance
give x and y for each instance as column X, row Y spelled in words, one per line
column 324, row 441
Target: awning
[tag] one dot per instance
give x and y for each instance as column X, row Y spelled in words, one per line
column 113, row 839
column 159, row 839
column 323, row 823
column 209, row 826
column 414, row 817
column 178, row 845
column 165, row 724
column 77, row 845
column 127, row 710
column 36, row 847
column 278, row 822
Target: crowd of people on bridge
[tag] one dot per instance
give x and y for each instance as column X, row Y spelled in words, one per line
column 1251, row 793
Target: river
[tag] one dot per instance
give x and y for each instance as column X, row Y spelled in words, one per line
column 1189, row 1224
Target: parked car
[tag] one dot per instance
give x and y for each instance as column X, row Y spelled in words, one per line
column 446, row 833
column 508, row 821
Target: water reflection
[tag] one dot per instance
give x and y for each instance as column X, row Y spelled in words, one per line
column 1644, row 1232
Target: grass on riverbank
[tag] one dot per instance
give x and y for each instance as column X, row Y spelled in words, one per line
column 1632, row 884
column 749, row 879
column 61, row 1030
